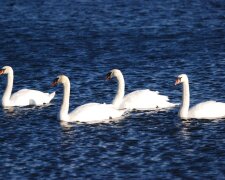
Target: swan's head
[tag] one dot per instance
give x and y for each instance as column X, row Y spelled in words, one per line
column 6, row 70
column 113, row 73
column 60, row 79
column 181, row 78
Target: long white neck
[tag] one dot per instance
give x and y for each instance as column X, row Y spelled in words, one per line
column 183, row 113
column 120, row 91
column 63, row 114
column 8, row 91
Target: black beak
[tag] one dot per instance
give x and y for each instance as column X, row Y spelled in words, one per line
column 55, row 82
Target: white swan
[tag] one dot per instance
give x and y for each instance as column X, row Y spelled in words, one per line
column 23, row 97
column 139, row 99
column 204, row 110
column 90, row 112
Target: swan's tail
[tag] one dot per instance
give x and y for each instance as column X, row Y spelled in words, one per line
column 51, row 96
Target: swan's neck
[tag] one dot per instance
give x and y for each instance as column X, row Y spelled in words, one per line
column 185, row 101
column 63, row 114
column 120, row 91
column 8, row 91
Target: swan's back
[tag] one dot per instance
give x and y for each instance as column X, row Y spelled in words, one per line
column 26, row 97
column 207, row 110
column 95, row 112
column 145, row 99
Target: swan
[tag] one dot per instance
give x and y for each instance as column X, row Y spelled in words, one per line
column 140, row 99
column 24, row 97
column 204, row 110
column 90, row 112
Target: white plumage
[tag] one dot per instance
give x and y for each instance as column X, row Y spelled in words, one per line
column 204, row 110
column 207, row 110
column 89, row 113
column 145, row 99
column 22, row 97
column 26, row 97
column 139, row 99
column 95, row 112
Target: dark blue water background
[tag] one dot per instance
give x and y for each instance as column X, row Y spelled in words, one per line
column 151, row 42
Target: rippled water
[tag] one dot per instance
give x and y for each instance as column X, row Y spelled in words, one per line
column 151, row 42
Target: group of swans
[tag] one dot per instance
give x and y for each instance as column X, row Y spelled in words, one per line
column 139, row 100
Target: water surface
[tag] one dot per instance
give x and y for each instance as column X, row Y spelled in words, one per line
column 151, row 42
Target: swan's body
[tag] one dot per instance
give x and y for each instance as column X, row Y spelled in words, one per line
column 26, row 97
column 145, row 99
column 139, row 99
column 90, row 112
column 23, row 97
column 204, row 110
column 95, row 112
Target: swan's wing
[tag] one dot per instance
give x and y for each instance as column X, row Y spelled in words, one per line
column 145, row 99
column 26, row 97
column 207, row 110
column 95, row 112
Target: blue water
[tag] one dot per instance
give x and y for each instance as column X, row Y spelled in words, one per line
column 151, row 42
